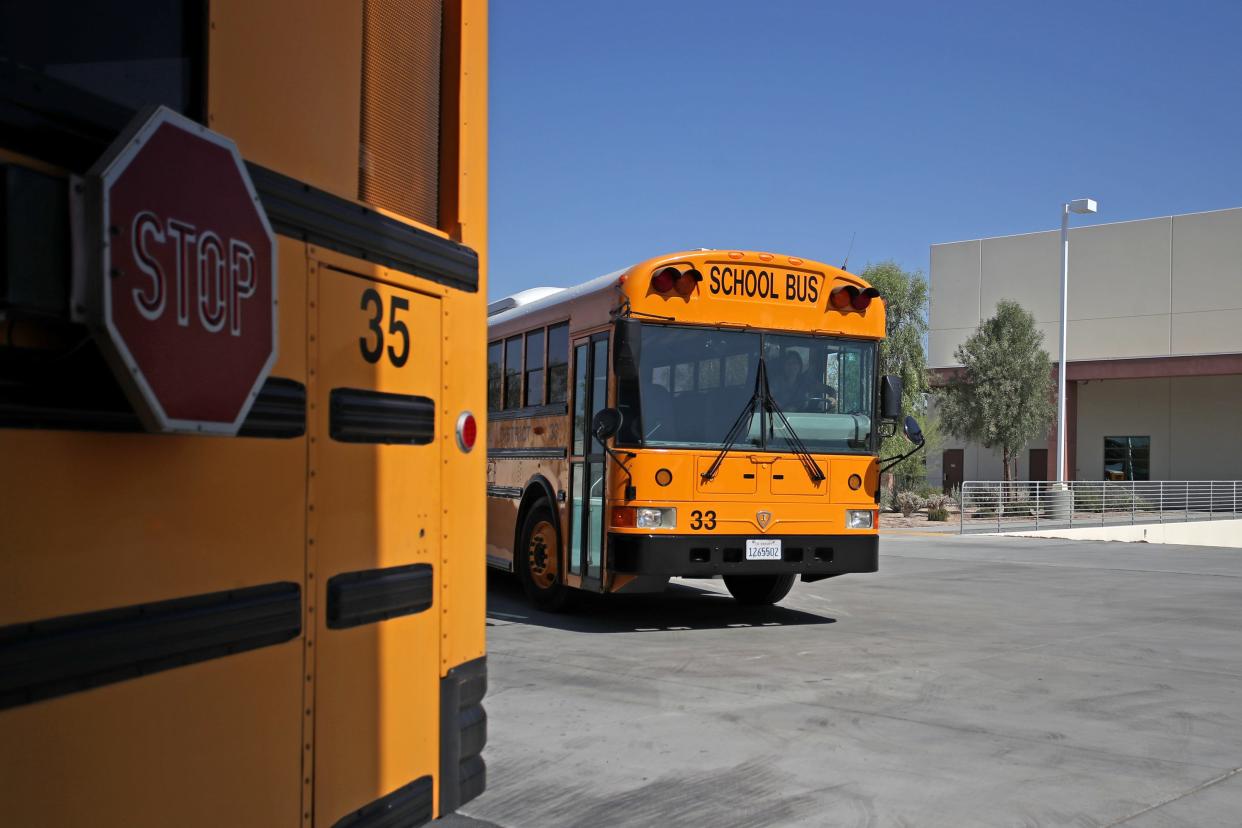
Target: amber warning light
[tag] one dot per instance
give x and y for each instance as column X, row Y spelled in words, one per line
column 670, row 279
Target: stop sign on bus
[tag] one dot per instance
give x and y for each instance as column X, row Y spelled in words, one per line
column 181, row 275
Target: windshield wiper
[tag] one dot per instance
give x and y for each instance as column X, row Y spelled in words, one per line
column 741, row 424
column 763, row 400
column 812, row 468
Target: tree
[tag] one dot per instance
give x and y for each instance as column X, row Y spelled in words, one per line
column 1002, row 398
column 902, row 354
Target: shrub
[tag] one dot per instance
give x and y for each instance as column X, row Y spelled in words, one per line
column 908, row 503
column 955, row 496
column 938, row 507
column 1019, row 508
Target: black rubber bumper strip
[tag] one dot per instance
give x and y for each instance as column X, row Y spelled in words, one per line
column 405, row 807
column 356, row 598
column 44, row 659
column 357, row 415
column 65, row 125
column 463, row 734
column 279, row 411
column 811, row 556
column 298, row 210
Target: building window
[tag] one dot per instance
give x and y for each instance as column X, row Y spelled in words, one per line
column 1127, row 458
column 495, row 375
column 534, row 367
column 558, row 363
column 513, row 372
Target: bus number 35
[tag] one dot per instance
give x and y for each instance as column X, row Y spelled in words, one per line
column 702, row 520
column 396, row 327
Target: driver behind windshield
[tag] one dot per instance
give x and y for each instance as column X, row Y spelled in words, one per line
column 796, row 390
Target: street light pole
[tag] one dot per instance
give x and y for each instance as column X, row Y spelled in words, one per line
column 1078, row 205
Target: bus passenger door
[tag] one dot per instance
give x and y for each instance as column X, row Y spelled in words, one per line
column 588, row 463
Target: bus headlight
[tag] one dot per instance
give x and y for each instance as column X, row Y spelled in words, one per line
column 859, row 518
column 655, row 518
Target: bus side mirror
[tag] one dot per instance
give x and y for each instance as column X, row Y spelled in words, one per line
column 913, row 433
column 626, row 346
column 607, row 422
column 890, row 398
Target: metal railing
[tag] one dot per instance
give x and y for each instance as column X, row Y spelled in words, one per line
column 1018, row 505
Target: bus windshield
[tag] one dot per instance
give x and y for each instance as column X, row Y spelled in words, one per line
column 685, row 387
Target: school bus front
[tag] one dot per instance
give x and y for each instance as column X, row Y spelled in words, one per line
column 750, row 456
column 721, row 418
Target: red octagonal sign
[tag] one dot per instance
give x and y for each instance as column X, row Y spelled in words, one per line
column 183, row 296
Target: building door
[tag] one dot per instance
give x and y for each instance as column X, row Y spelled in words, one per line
column 952, row 462
column 1039, row 465
column 588, row 463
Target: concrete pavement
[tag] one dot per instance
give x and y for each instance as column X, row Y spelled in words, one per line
column 972, row 681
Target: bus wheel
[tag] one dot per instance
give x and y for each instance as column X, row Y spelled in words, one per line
column 539, row 560
column 759, row 589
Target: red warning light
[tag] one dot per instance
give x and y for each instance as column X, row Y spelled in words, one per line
column 849, row 297
column 662, row 281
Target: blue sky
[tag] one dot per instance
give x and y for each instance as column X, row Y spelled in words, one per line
column 623, row 130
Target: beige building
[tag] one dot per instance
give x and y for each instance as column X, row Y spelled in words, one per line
column 1154, row 382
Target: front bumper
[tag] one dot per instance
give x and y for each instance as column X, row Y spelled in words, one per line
column 817, row 556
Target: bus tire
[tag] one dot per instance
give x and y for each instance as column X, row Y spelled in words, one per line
column 759, row 589
column 539, row 560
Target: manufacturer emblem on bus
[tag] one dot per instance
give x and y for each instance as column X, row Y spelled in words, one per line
column 764, row 518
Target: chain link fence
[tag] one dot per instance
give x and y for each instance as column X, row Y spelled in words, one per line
column 1020, row 505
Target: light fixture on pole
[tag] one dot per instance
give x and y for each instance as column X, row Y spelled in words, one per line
column 1078, row 205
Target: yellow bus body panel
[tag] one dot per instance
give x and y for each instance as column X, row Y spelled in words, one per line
column 309, row 730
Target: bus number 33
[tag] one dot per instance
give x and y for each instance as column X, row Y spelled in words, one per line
column 702, row 520
column 396, row 327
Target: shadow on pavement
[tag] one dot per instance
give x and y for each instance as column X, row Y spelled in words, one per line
column 680, row 607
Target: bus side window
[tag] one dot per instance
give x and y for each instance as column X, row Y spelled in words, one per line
column 534, row 367
column 558, row 363
column 495, row 375
column 513, row 372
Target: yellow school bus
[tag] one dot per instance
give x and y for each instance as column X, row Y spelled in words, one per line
column 278, row 620
column 706, row 413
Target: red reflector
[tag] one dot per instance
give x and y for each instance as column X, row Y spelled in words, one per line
column 686, row 282
column 861, row 301
column 467, row 431
column 662, row 281
column 623, row 516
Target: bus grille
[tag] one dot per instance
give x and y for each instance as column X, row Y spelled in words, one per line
column 399, row 155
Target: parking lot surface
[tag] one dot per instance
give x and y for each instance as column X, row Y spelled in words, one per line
column 972, row 681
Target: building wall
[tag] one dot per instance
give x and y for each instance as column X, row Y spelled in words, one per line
column 1164, row 287
column 978, row 463
column 1206, row 440
column 1169, row 286
column 1120, row 408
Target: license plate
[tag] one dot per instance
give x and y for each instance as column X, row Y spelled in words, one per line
column 765, row 549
